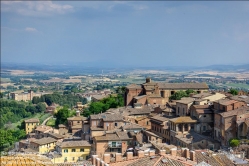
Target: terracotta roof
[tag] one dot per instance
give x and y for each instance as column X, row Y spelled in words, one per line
column 74, row 143
column 183, row 119
column 57, row 136
column 132, row 126
column 153, row 134
column 202, row 95
column 186, row 100
column 159, row 118
column 107, row 117
column 45, row 140
column 26, row 160
column 119, row 135
column 239, row 111
column 43, row 128
column 226, row 101
column 241, row 98
column 33, row 120
column 183, row 86
column 134, row 86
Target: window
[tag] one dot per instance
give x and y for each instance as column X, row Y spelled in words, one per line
column 73, row 159
column 204, row 128
column 116, row 124
column 78, row 121
column 65, row 158
column 204, row 116
column 65, row 150
column 81, row 150
column 73, row 150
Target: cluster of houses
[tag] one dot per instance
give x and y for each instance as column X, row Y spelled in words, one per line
column 149, row 129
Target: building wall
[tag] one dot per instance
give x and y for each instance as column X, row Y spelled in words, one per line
column 42, row 149
column 29, row 127
column 142, row 100
column 73, row 156
column 182, row 109
column 130, row 94
column 158, row 130
column 235, row 106
column 230, row 107
column 144, row 123
column 112, row 125
column 156, row 100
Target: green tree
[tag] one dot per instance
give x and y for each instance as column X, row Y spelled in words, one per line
column 62, row 115
column 1, row 95
column 21, row 87
column 189, row 91
column 35, row 100
column 40, row 107
column 233, row 92
column 178, row 95
column 234, row 142
column 96, row 107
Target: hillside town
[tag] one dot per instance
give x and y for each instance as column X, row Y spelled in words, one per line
column 151, row 129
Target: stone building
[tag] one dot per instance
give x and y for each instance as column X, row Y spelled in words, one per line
column 30, row 125
column 104, row 122
column 157, row 93
column 43, row 145
column 72, row 150
column 226, row 113
column 204, row 116
column 75, row 123
column 112, row 143
column 160, row 126
column 180, row 126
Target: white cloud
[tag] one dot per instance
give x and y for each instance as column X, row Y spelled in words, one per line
column 29, row 29
column 35, row 8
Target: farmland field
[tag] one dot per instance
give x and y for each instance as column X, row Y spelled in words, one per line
column 237, row 85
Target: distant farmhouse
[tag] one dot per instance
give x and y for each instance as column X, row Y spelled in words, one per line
column 26, row 96
column 157, row 93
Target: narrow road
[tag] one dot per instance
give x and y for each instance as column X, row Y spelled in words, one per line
column 45, row 121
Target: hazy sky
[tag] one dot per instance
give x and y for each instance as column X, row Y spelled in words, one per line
column 124, row 33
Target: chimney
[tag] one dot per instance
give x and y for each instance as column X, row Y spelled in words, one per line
column 118, row 157
column 162, row 152
column 173, row 151
column 77, row 113
column 129, row 155
column 94, row 159
column 151, row 153
column 97, row 161
column 140, row 154
column 107, row 158
column 192, row 155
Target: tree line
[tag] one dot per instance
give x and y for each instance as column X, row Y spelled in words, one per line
column 65, row 99
column 104, row 104
column 12, row 111
column 180, row 94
